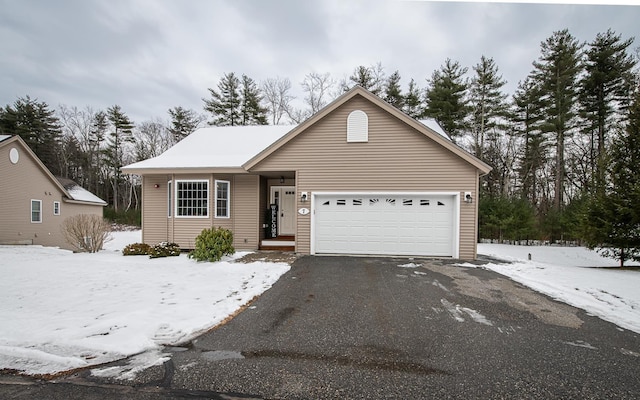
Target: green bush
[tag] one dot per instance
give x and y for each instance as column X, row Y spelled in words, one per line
column 136, row 249
column 164, row 249
column 212, row 244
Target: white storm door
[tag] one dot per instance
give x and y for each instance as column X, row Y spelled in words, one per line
column 285, row 198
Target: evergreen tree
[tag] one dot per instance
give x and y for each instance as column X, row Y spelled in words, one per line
column 224, row 104
column 612, row 220
column 446, row 98
column 527, row 118
column 251, row 112
column 412, row 103
column 487, row 103
column 120, row 134
column 183, row 123
column 604, row 93
column 557, row 72
column 393, row 91
column 371, row 78
column 38, row 126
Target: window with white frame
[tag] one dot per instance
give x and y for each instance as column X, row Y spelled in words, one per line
column 36, row 210
column 222, row 199
column 56, row 208
column 192, row 198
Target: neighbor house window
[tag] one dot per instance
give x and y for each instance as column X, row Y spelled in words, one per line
column 169, row 197
column 36, row 210
column 192, row 198
column 56, row 208
column 222, row 199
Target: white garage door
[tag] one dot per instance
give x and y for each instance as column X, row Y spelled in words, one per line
column 391, row 224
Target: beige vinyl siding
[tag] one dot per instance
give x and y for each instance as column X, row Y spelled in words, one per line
column 395, row 158
column 245, row 211
column 19, row 184
column 155, row 224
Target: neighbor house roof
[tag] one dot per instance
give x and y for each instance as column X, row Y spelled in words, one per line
column 74, row 193
column 78, row 193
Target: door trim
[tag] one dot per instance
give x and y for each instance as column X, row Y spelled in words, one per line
column 282, row 188
column 456, row 212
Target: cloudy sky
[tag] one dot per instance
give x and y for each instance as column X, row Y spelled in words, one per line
column 151, row 55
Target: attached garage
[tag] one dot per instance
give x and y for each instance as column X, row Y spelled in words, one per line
column 386, row 223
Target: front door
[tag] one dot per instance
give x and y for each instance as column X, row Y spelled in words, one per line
column 285, row 198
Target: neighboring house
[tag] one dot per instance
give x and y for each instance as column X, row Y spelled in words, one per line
column 358, row 177
column 34, row 202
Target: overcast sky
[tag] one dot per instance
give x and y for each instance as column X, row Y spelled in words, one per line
column 150, row 55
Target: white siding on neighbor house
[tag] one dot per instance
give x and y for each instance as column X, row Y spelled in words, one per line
column 395, row 158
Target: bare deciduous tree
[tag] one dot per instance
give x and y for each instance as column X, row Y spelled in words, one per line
column 276, row 95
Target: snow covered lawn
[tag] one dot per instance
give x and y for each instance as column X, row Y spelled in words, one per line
column 60, row 310
column 576, row 276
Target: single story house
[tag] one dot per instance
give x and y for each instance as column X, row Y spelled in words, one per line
column 34, row 202
column 358, row 177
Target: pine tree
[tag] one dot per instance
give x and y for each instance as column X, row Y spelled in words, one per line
column 487, row 103
column 38, row 126
column 120, row 134
column 605, row 92
column 251, row 112
column 371, row 78
column 393, row 91
column 557, row 71
column 183, row 123
column 612, row 220
column 526, row 118
column 412, row 103
column 446, row 98
column 224, row 104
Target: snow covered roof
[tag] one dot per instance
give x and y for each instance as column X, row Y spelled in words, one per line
column 216, row 147
column 434, row 126
column 4, row 137
column 78, row 193
column 227, row 146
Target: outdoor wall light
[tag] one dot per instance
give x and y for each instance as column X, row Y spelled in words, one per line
column 303, row 196
column 156, row 186
column 467, row 197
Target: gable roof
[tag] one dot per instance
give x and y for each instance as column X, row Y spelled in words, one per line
column 237, row 149
column 74, row 193
column 428, row 131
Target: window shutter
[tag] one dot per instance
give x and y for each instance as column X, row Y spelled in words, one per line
column 357, row 127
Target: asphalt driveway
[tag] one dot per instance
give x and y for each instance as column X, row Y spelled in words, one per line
column 373, row 328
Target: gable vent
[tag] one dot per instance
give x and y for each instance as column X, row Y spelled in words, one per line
column 357, row 127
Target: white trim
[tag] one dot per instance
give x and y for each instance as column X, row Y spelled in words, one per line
column 456, row 212
column 175, row 197
column 56, row 211
column 31, row 211
column 215, row 201
column 170, row 199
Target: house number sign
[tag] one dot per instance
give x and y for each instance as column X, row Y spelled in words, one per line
column 303, row 211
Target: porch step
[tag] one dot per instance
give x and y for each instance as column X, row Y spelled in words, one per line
column 281, row 243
